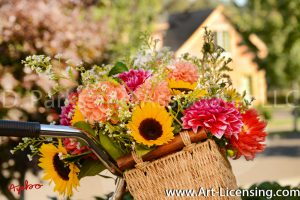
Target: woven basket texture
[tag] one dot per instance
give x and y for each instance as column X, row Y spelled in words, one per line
column 197, row 165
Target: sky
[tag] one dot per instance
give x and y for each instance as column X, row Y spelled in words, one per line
column 239, row 2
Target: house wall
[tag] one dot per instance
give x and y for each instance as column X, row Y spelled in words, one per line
column 246, row 74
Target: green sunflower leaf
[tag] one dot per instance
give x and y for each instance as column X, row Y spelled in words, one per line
column 74, row 158
column 118, row 68
column 85, row 127
column 111, row 148
column 90, row 168
column 142, row 149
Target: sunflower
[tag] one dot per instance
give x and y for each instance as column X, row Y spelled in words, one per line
column 77, row 116
column 178, row 86
column 151, row 124
column 64, row 175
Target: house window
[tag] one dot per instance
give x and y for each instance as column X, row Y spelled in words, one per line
column 222, row 39
column 246, row 85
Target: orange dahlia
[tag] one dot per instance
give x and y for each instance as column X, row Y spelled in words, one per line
column 153, row 91
column 100, row 103
column 252, row 137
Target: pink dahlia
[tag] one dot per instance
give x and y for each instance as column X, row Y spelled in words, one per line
column 153, row 91
column 252, row 137
column 219, row 117
column 134, row 78
column 68, row 110
column 100, row 103
column 183, row 71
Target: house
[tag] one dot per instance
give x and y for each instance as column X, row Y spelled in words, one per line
column 184, row 33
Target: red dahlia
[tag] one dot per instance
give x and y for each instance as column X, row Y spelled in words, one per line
column 252, row 137
column 74, row 147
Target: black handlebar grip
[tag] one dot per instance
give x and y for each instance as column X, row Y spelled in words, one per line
column 19, row 129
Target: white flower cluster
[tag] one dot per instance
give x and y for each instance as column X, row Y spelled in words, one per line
column 94, row 75
column 147, row 58
column 38, row 63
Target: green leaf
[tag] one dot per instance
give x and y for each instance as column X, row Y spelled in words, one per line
column 128, row 196
column 85, row 127
column 74, row 158
column 142, row 150
column 111, row 148
column 90, row 168
column 118, row 68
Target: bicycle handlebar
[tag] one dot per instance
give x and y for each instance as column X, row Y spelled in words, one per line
column 35, row 129
column 19, row 129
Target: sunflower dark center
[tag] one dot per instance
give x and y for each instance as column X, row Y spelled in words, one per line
column 150, row 129
column 62, row 170
column 182, row 89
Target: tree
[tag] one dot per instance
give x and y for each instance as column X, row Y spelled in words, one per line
column 276, row 22
column 125, row 21
column 172, row 6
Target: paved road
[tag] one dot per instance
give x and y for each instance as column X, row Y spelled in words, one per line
column 280, row 162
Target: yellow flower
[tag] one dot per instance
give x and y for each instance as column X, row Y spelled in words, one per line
column 151, row 124
column 198, row 93
column 233, row 95
column 178, row 86
column 77, row 116
column 64, row 175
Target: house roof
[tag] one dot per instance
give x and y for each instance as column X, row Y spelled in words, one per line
column 182, row 26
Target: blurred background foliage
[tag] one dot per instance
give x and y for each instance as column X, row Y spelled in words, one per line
column 276, row 22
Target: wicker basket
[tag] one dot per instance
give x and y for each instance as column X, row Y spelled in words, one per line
column 197, row 165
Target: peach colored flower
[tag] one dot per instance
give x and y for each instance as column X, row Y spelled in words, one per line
column 100, row 103
column 153, row 91
column 183, row 71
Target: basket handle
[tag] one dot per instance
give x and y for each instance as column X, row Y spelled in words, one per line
column 186, row 139
column 140, row 164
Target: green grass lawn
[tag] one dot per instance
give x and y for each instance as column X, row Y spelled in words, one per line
column 282, row 120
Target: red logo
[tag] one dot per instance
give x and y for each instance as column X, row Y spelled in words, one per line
column 26, row 186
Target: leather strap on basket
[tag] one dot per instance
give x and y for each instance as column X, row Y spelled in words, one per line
column 187, row 141
column 140, row 164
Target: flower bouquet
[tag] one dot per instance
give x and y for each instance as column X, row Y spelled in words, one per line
column 167, row 122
